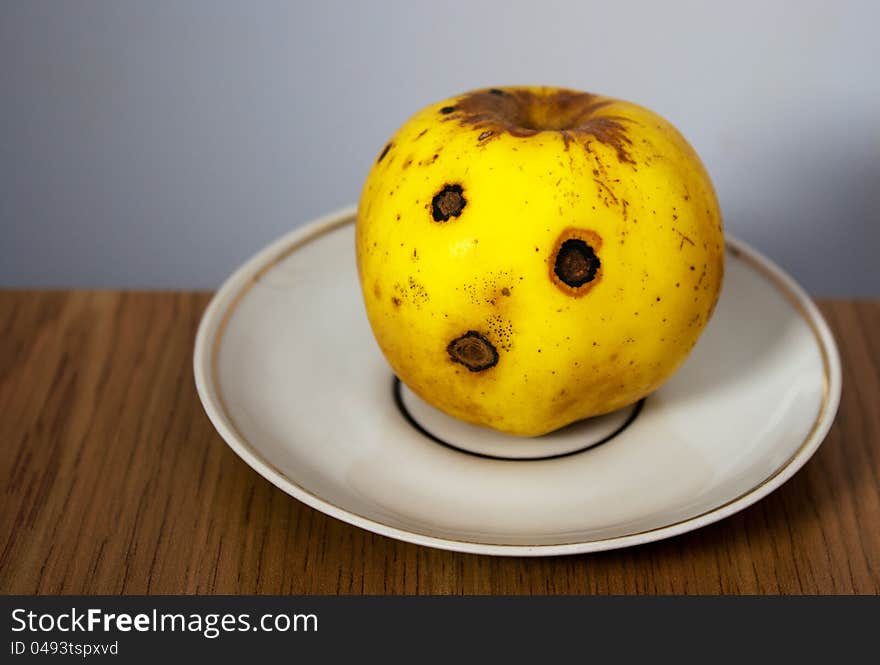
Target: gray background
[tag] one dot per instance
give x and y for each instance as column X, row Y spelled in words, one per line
column 158, row 144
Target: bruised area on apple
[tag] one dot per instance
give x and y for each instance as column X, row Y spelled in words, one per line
column 473, row 351
column 522, row 113
column 448, row 202
column 575, row 265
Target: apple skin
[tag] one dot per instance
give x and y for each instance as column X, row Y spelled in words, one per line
column 529, row 257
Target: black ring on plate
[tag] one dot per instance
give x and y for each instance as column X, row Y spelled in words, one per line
column 398, row 401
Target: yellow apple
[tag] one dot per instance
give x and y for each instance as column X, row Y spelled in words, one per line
column 530, row 257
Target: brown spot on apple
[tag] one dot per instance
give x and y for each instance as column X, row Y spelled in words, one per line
column 522, row 112
column 575, row 266
column 448, row 202
column 384, row 152
column 473, row 351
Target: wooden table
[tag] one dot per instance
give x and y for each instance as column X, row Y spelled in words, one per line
column 115, row 482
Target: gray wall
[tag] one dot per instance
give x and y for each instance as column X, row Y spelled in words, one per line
column 158, row 144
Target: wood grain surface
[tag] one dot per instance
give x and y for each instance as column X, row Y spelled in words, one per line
column 115, row 482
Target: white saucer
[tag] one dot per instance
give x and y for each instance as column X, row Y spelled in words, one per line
column 289, row 373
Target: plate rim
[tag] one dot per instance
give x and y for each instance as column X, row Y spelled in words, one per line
column 236, row 286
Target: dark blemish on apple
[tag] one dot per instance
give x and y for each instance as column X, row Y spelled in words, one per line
column 684, row 239
column 610, row 131
column 523, row 113
column 446, row 110
column 422, row 133
column 485, row 135
column 407, row 163
column 567, row 138
column 384, row 152
column 576, row 263
column 395, row 301
column 505, row 291
column 473, row 351
column 418, row 293
column 575, row 266
column 448, row 202
column 608, row 191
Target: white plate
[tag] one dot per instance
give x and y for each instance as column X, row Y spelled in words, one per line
column 289, row 373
